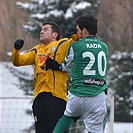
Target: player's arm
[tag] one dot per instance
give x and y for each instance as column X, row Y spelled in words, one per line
column 72, row 36
column 66, row 66
column 54, row 65
column 21, row 60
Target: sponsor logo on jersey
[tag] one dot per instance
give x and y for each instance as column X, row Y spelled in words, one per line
column 90, row 81
column 53, row 48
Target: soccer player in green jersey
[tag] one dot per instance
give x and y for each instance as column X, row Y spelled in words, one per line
column 87, row 61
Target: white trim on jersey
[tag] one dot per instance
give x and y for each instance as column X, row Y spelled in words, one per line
column 68, row 61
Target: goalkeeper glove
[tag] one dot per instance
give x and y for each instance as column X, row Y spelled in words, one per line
column 52, row 64
column 18, row 44
column 72, row 33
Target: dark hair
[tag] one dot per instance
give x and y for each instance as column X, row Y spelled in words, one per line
column 88, row 22
column 55, row 28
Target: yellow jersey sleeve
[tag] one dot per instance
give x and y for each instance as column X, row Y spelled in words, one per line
column 24, row 59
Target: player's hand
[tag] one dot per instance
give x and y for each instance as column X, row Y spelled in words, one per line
column 18, row 44
column 52, row 64
column 72, row 33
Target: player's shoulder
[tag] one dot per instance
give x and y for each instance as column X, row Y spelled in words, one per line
column 77, row 43
column 102, row 43
column 36, row 47
column 62, row 39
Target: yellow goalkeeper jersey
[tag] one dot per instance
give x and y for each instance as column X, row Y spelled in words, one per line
column 46, row 80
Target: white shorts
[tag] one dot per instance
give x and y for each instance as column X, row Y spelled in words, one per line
column 91, row 109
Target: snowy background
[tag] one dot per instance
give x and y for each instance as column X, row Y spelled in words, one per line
column 13, row 104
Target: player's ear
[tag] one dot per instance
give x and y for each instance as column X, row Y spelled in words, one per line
column 85, row 31
column 55, row 34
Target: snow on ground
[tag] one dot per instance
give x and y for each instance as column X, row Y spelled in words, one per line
column 13, row 104
column 123, row 128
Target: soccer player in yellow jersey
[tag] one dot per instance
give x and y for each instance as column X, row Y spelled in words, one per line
column 50, row 88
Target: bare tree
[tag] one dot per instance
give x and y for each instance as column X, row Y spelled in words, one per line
column 115, row 24
column 11, row 21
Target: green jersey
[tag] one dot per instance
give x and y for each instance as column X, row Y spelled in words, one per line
column 87, row 61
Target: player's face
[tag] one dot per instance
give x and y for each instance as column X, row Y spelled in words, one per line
column 79, row 32
column 46, row 34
